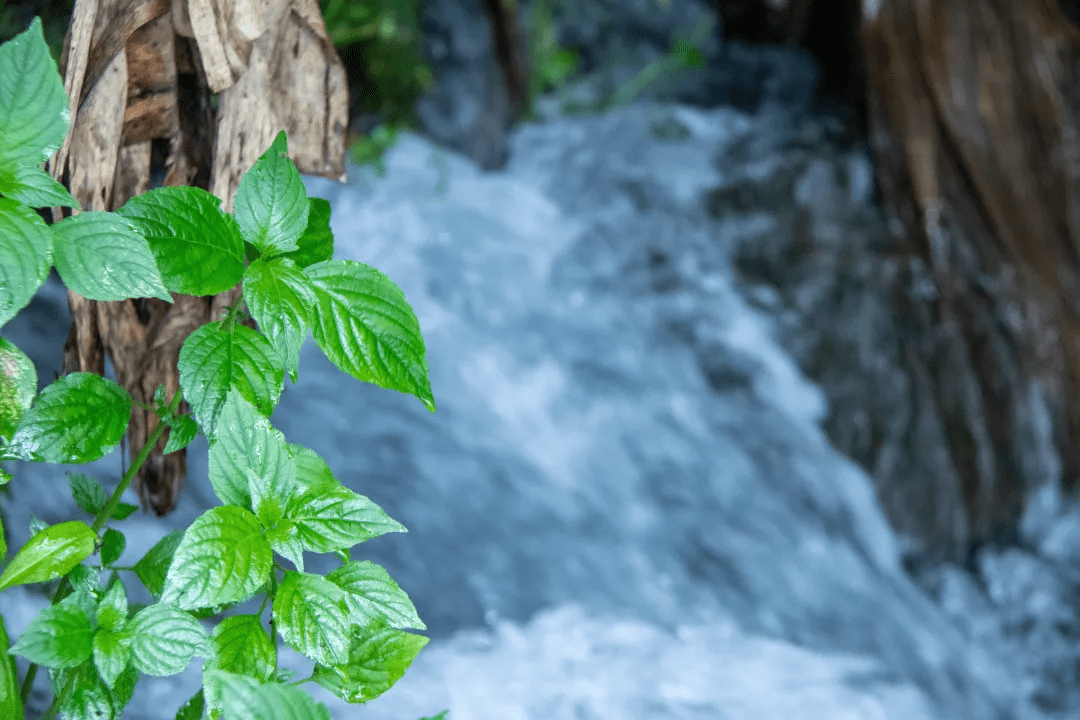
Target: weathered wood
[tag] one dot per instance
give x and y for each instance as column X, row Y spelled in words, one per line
column 145, row 71
column 975, row 118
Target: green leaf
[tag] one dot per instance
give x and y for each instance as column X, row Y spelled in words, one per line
column 182, row 430
column 123, row 510
column 310, row 615
column 85, row 578
column 223, row 558
column 440, row 716
column 112, row 652
column 271, row 205
column 164, row 639
column 33, row 106
column 3, row 540
column 337, row 518
column 366, row 327
column 124, row 688
column 155, row 563
column 280, row 297
column 49, row 554
column 112, row 546
column 248, row 447
column 317, row 242
column 101, row 256
column 18, row 386
column 10, row 702
column 378, row 658
column 25, row 255
column 371, row 593
column 59, row 637
column 244, row 698
column 313, row 475
column 213, row 360
column 193, row 708
column 87, row 493
column 77, row 419
column 89, row 698
column 112, row 609
column 285, row 539
column 242, row 645
column 197, row 247
column 32, row 186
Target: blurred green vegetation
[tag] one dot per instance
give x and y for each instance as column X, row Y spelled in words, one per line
column 55, row 16
column 550, row 65
column 380, row 44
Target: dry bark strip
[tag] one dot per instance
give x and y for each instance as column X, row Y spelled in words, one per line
column 976, row 116
column 141, row 75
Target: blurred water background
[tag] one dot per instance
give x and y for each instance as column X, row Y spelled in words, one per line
column 626, row 505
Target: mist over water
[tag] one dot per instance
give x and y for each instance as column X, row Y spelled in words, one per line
column 624, row 506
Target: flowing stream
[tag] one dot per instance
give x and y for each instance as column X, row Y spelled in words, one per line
column 624, row 506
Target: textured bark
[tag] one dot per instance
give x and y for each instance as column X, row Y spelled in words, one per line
column 509, row 50
column 976, row 119
column 140, row 74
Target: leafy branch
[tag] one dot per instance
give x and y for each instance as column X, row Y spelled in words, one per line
column 279, row 500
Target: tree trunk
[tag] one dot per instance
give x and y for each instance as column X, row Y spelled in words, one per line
column 143, row 77
column 975, row 117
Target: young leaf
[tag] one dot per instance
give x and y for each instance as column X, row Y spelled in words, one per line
column 244, row 698
column 440, row 716
column 155, row 563
column 112, row 546
column 18, row 385
column 164, row 639
column 198, row 248
column 77, row 419
column 59, row 637
column 87, row 493
column 112, row 652
column 10, row 702
column 112, row 609
column 25, row 254
column 247, row 447
column 378, row 658
column 313, row 475
column 280, row 297
column 242, row 646
column 310, row 615
column 371, row 593
column 49, row 554
column 317, row 242
column 33, row 105
column 101, row 256
column 285, row 539
column 271, row 205
column 337, row 519
column 223, row 558
column 365, row 326
column 34, row 187
column 90, row 496
column 214, row 360
column 182, row 430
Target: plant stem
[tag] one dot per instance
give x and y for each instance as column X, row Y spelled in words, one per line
column 103, row 517
column 114, row 499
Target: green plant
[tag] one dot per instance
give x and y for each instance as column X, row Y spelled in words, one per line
column 550, row 65
column 280, row 500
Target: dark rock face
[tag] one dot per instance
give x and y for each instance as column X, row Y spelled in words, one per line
column 469, row 110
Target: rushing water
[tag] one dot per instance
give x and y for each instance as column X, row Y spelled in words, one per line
column 624, row 507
